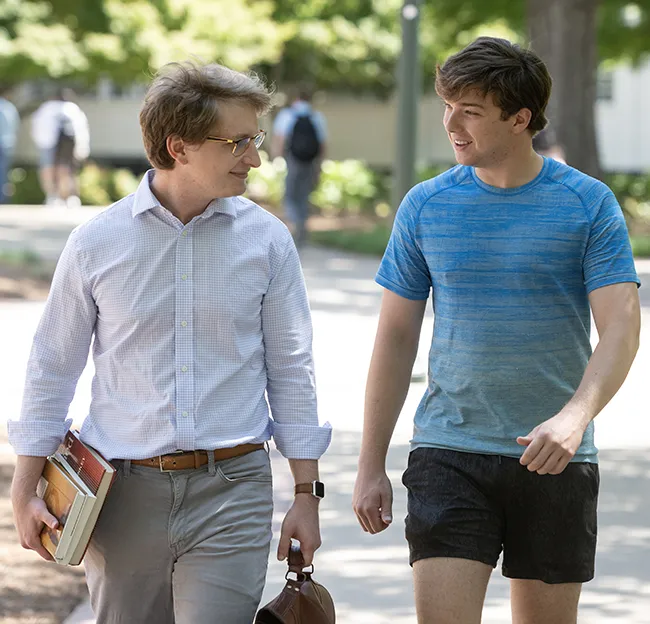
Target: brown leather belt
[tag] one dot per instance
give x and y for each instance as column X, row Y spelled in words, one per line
column 186, row 460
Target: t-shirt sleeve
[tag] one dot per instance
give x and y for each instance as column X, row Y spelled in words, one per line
column 608, row 257
column 403, row 269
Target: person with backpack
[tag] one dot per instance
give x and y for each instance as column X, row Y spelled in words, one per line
column 60, row 131
column 299, row 134
column 9, row 123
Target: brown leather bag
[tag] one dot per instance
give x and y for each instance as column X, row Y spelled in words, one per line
column 302, row 601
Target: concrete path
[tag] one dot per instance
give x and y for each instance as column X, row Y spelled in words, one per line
column 369, row 576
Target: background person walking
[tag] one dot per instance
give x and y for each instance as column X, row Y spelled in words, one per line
column 60, row 131
column 299, row 134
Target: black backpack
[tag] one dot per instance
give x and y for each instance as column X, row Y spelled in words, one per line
column 303, row 143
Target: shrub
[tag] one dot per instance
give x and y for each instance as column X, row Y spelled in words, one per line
column 24, row 187
column 266, row 183
column 346, row 186
column 93, row 186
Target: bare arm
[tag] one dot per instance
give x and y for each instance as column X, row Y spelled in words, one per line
column 617, row 314
column 30, row 512
column 396, row 344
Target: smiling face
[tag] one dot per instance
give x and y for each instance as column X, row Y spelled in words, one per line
column 478, row 132
column 210, row 167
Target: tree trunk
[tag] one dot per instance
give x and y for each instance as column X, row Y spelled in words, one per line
column 563, row 33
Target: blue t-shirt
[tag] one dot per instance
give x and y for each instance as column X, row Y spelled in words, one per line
column 511, row 270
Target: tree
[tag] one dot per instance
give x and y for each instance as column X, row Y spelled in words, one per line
column 129, row 39
column 563, row 33
column 350, row 45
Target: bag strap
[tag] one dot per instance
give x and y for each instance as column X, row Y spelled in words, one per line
column 296, row 560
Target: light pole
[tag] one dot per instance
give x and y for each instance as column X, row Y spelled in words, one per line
column 408, row 96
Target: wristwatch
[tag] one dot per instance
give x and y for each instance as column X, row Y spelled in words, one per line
column 315, row 488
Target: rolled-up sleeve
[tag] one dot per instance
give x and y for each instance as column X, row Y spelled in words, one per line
column 291, row 386
column 58, row 356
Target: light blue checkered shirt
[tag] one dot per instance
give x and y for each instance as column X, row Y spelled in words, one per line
column 195, row 327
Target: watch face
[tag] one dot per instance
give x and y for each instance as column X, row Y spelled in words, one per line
column 319, row 489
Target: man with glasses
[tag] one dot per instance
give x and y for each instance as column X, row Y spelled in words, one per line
column 196, row 302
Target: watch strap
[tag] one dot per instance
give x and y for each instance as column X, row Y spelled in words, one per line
column 315, row 488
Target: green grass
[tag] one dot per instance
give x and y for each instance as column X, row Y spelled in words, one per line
column 371, row 242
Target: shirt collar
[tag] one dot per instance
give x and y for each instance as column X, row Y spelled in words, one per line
column 144, row 200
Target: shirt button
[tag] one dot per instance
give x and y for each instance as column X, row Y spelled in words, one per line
column 184, row 276
column 184, row 232
column 186, row 413
column 184, row 369
column 183, row 323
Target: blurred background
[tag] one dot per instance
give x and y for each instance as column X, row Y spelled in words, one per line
column 347, row 52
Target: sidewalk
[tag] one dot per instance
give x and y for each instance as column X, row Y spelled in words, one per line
column 369, row 576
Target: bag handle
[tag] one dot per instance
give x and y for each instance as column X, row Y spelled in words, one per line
column 296, row 563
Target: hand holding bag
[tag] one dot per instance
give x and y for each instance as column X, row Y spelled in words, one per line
column 302, row 601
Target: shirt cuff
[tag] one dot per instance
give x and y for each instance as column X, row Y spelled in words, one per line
column 302, row 441
column 37, row 438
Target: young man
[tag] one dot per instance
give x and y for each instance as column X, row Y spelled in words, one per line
column 197, row 306
column 299, row 135
column 516, row 248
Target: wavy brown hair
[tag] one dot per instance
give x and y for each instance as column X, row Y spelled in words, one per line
column 183, row 100
column 515, row 77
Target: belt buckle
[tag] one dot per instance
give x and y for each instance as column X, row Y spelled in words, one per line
column 160, row 461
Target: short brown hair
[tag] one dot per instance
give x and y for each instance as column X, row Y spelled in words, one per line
column 516, row 78
column 183, row 100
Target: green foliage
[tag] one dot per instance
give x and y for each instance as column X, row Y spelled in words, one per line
column 97, row 186
column 93, row 186
column 338, row 44
column 641, row 246
column 266, row 183
column 122, row 183
column 346, row 187
column 129, row 40
column 633, row 193
column 24, row 186
column 334, row 44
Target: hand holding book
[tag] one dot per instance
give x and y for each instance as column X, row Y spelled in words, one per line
column 74, row 485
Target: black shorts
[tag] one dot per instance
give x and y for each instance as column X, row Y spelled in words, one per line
column 472, row 506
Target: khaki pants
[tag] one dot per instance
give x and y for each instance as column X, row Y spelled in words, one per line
column 183, row 547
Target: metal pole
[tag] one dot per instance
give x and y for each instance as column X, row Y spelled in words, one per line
column 408, row 93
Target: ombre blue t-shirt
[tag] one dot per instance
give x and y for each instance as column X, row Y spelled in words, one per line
column 511, row 270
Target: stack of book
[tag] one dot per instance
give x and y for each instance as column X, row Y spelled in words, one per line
column 74, row 485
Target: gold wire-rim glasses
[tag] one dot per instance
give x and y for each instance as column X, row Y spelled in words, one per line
column 241, row 145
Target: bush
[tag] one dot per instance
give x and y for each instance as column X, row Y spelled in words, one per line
column 266, row 183
column 93, row 186
column 24, row 186
column 98, row 186
column 346, row 187
column 633, row 193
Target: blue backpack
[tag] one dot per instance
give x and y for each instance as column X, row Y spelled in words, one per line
column 304, row 144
